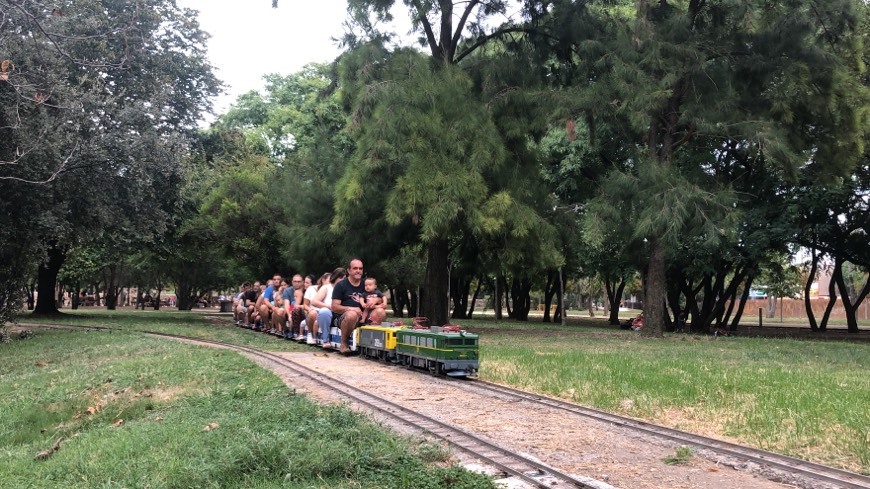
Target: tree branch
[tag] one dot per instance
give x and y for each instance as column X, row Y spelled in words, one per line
column 430, row 36
column 484, row 39
column 53, row 176
column 461, row 25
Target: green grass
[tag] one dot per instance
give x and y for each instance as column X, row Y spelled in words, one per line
column 189, row 323
column 680, row 456
column 133, row 412
column 803, row 398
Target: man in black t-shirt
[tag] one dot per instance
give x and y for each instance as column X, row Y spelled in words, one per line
column 348, row 298
column 250, row 301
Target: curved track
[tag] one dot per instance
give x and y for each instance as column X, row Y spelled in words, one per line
column 776, row 461
column 530, row 471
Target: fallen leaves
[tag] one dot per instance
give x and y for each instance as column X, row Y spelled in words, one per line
column 118, row 422
column 211, row 426
column 41, row 364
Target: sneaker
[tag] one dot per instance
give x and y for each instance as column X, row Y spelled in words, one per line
column 327, row 345
column 310, row 340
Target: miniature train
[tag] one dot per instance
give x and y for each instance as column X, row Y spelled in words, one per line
column 442, row 350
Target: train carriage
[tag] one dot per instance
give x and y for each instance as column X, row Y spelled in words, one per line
column 378, row 341
column 442, row 350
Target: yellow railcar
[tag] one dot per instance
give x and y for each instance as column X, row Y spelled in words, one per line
column 377, row 341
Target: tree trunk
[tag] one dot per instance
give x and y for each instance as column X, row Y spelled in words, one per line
column 186, row 296
column 832, row 292
column 435, row 302
column 497, row 304
column 520, row 296
column 771, row 306
column 850, row 307
column 507, row 298
column 692, row 313
column 47, row 278
column 550, row 292
column 112, row 288
column 31, row 298
column 654, row 300
column 474, row 297
column 396, row 301
column 74, row 296
column 561, row 311
column 614, row 297
column 460, row 288
column 808, row 304
column 413, row 304
column 743, row 297
column 59, row 296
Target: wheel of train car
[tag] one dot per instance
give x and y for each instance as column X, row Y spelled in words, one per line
column 432, row 366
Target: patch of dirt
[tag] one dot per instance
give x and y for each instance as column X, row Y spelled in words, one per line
column 574, row 445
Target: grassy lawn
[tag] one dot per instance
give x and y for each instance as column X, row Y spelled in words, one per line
column 134, row 411
column 808, row 399
column 803, row 398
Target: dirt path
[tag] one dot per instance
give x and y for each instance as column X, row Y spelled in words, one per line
column 582, row 447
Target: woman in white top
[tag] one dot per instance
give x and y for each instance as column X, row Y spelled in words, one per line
column 310, row 288
column 322, row 302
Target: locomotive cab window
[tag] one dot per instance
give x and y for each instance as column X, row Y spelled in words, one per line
column 454, row 341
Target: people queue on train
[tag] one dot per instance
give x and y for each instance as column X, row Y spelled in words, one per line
column 341, row 298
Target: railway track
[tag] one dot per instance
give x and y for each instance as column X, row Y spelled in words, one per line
column 534, row 472
column 782, row 463
column 530, row 471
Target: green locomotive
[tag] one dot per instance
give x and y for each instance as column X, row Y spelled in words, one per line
column 443, row 350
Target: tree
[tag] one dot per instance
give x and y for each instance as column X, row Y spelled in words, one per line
column 436, row 183
column 774, row 80
column 115, row 88
column 831, row 219
column 452, row 36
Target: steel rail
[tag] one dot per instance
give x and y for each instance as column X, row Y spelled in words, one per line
column 843, row 478
column 791, row 465
column 528, row 470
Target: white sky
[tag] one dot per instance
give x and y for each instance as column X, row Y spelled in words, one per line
column 251, row 39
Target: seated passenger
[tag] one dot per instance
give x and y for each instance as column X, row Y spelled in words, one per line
column 297, row 313
column 310, row 291
column 348, row 298
column 322, row 301
column 239, row 309
column 278, row 313
column 249, row 302
column 266, row 302
column 373, row 308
